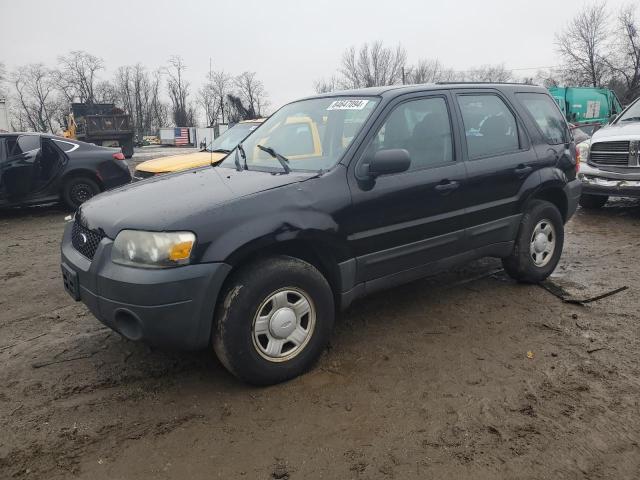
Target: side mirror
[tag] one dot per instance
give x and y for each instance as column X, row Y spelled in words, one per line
column 386, row 162
column 613, row 117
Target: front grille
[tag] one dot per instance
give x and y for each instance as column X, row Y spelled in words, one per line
column 621, row 146
column 84, row 240
column 610, row 153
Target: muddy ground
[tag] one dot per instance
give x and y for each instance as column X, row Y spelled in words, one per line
column 465, row 375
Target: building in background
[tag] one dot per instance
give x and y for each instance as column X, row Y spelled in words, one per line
column 4, row 116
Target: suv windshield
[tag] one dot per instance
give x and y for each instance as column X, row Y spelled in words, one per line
column 311, row 135
column 232, row 137
column 632, row 114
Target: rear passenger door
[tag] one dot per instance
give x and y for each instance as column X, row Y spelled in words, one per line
column 412, row 218
column 500, row 161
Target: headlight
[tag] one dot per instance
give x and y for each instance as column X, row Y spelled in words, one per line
column 582, row 152
column 152, row 249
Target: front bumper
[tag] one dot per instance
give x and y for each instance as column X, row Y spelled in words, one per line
column 572, row 190
column 596, row 181
column 170, row 307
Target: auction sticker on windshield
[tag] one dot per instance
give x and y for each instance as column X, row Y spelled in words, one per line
column 348, row 104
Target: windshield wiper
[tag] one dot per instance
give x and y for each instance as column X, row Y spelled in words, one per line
column 284, row 161
column 221, row 150
column 631, row 119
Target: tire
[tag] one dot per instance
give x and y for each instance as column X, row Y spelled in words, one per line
column 78, row 190
column 528, row 262
column 262, row 351
column 592, row 202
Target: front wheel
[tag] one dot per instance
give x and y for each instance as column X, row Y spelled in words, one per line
column 78, row 190
column 274, row 320
column 592, row 202
column 539, row 243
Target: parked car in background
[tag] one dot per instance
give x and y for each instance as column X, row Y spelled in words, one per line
column 212, row 155
column 334, row 197
column 611, row 160
column 40, row 168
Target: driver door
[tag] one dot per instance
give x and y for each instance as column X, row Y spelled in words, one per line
column 18, row 168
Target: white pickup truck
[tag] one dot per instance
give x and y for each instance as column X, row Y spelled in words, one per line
column 612, row 166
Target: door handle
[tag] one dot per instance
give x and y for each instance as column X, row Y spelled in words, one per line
column 522, row 170
column 447, row 186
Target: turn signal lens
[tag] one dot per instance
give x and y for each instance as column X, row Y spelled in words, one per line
column 180, row 251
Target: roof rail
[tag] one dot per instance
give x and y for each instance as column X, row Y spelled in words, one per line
column 485, row 83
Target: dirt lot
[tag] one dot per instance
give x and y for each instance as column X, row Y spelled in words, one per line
column 430, row 380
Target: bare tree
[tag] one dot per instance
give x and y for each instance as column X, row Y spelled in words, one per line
column 624, row 56
column 3, row 77
column 222, row 84
column 252, row 93
column 372, row 65
column 206, row 99
column 582, row 46
column 429, row 71
column 488, row 73
column 35, row 94
column 138, row 95
column 178, row 89
column 77, row 77
column 106, row 92
column 158, row 110
column 326, row 85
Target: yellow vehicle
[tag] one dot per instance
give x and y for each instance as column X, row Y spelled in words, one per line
column 213, row 154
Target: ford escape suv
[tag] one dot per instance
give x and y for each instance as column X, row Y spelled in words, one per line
column 332, row 198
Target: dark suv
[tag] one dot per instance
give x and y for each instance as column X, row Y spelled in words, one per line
column 332, row 198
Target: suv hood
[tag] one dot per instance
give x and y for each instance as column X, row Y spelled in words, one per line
column 168, row 201
column 618, row 131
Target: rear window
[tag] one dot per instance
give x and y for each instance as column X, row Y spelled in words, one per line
column 490, row 127
column 547, row 116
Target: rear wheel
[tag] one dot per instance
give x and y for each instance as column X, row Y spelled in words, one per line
column 274, row 321
column 539, row 243
column 78, row 190
column 592, row 202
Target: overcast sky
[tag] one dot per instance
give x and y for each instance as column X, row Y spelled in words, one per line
column 288, row 43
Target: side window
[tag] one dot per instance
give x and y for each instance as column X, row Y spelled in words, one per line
column 421, row 127
column 10, row 146
column 26, row 143
column 490, row 127
column 547, row 116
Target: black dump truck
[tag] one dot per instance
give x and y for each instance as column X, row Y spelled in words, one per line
column 101, row 124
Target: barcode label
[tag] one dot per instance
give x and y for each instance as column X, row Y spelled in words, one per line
column 348, row 104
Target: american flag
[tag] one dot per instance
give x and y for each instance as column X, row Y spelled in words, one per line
column 181, row 136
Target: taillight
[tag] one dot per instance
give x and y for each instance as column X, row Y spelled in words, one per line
column 578, row 159
column 118, row 156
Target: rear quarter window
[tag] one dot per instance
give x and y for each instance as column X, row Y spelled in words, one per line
column 66, row 147
column 547, row 116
